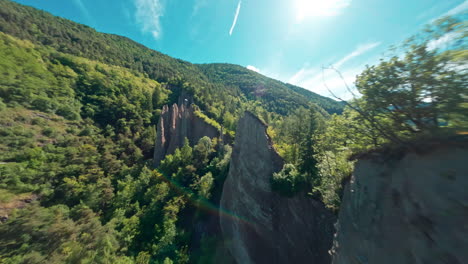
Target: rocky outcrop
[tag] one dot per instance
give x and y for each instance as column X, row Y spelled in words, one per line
column 260, row 226
column 407, row 209
column 176, row 123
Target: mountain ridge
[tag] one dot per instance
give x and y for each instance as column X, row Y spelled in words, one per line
column 41, row 27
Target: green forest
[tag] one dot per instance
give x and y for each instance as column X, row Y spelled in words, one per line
column 78, row 117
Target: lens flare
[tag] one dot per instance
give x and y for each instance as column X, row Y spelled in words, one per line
column 319, row 8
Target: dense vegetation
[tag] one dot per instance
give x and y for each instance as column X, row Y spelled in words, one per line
column 79, row 110
column 219, row 89
column 98, row 204
column 78, row 114
column 419, row 93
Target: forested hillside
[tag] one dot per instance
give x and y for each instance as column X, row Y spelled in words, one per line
column 212, row 83
column 78, row 137
column 78, row 125
column 78, row 117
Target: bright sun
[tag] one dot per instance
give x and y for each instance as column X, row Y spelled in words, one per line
column 319, row 8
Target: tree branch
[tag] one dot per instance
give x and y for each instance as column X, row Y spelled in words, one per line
column 389, row 135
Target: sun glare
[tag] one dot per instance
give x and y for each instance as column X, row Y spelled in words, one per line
column 319, row 8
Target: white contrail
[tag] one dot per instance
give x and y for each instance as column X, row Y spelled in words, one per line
column 235, row 18
column 148, row 16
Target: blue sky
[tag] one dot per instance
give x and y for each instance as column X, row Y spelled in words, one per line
column 289, row 40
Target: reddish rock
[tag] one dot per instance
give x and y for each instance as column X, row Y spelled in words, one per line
column 176, row 123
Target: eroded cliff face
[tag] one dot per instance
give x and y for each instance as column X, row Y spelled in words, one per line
column 176, row 123
column 261, row 226
column 413, row 209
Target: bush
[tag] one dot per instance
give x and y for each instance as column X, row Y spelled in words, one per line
column 2, row 105
column 68, row 112
column 38, row 121
column 205, row 185
column 44, row 104
column 288, row 181
column 49, row 132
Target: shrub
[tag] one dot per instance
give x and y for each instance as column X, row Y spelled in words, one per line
column 288, row 181
column 49, row 132
column 2, row 105
column 38, row 121
column 68, row 112
column 44, row 104
column 205, row 185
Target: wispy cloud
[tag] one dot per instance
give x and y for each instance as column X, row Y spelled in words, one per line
column 303, row 75
column 317, row 80
column 458, row 9
column 320, row 81
column 234, row 22
column 361, row 49
column 198, row 5
column 148, row 15
column 463, row 7
column 253, row 68
column 444, row 41
column 84, row 11
column 448, row 38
